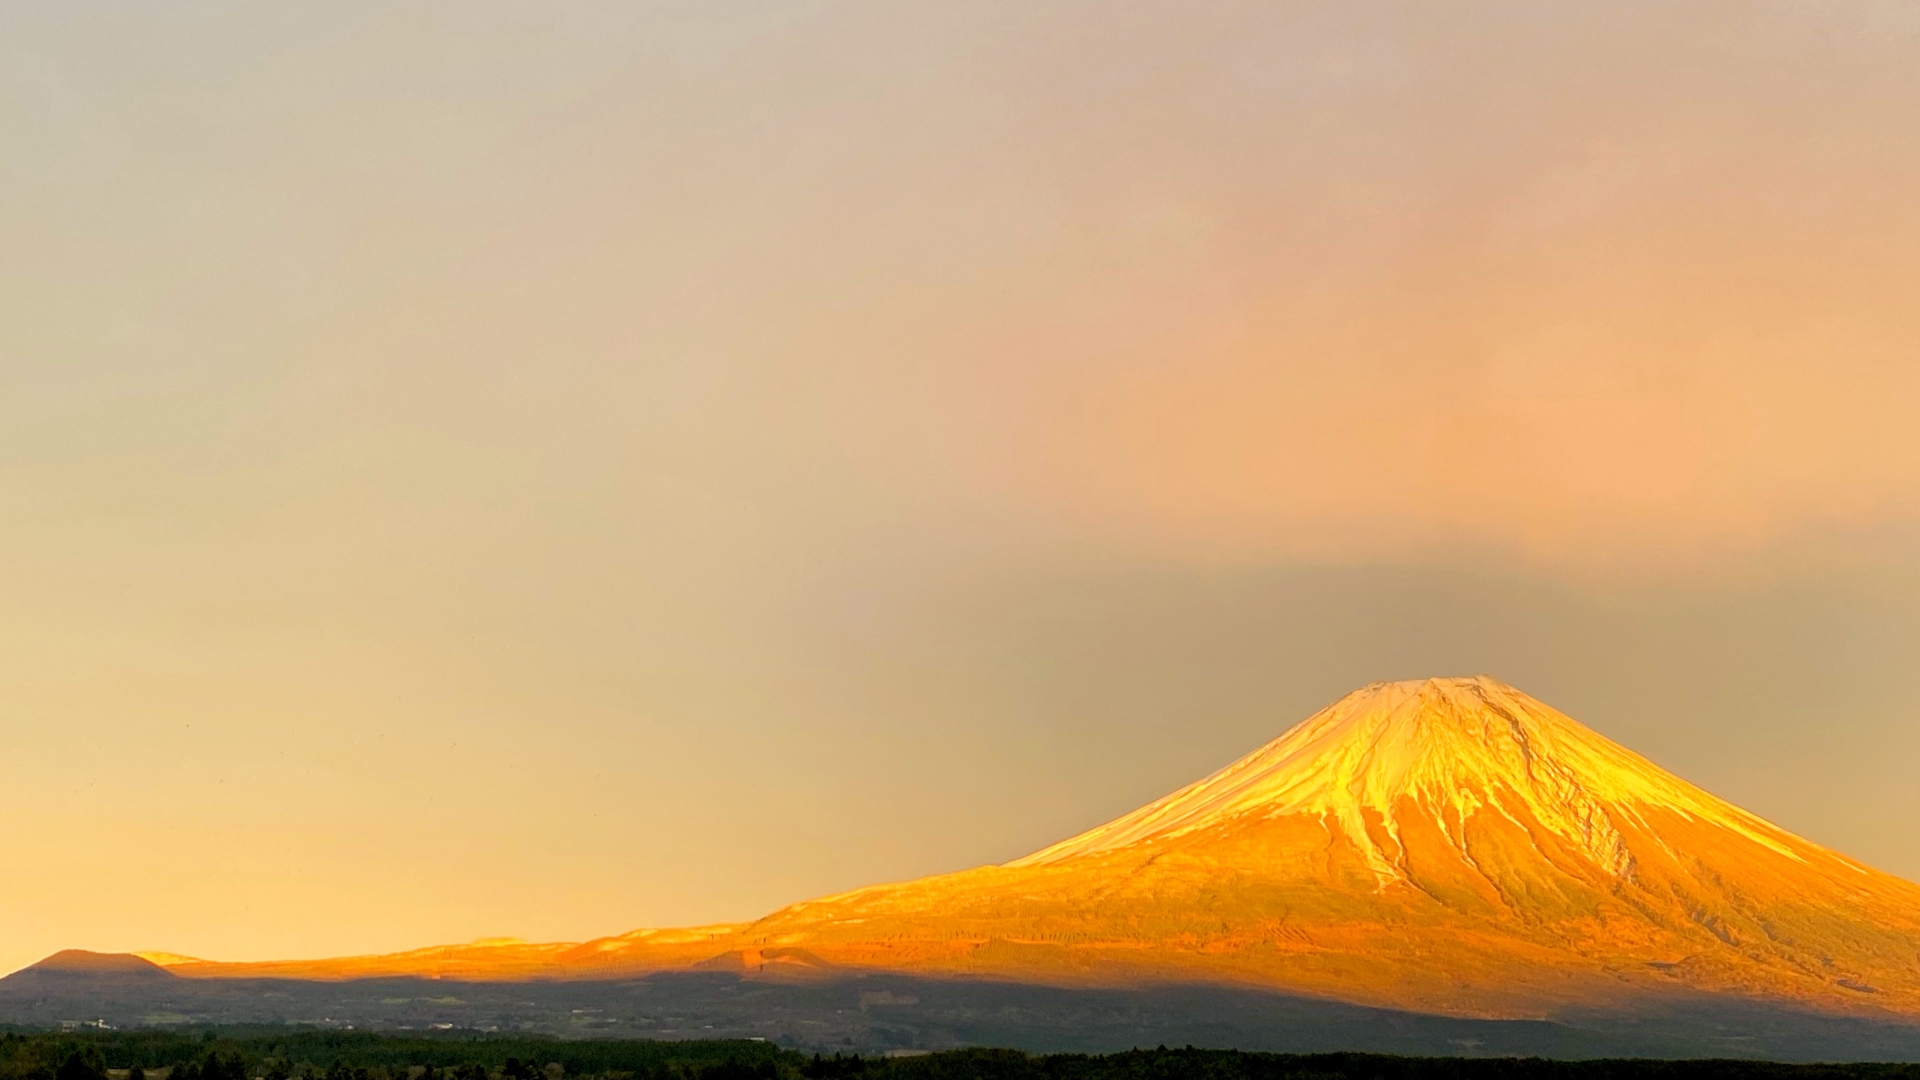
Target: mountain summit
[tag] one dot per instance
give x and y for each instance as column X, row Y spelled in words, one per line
column 1439, row 750
column 1443, row 845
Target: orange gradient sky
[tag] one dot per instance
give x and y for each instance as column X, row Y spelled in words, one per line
column 484, row 469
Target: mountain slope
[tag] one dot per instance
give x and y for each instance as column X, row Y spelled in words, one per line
column 1451, row 845
column 1446, row 845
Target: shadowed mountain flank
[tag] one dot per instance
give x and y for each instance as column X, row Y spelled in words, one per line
column 869, row 1013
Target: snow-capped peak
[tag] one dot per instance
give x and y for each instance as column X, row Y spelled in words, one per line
column 1446, row 748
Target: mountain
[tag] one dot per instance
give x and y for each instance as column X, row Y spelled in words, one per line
column 80, row 962
column 1449, row 845
column 1444, row 846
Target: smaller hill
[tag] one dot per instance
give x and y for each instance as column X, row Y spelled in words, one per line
column 85, row 962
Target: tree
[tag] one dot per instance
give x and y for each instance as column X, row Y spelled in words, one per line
column 78, row 1068
column 218, row 1066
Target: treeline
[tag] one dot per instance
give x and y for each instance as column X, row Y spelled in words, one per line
column 305, row 1054
column 282, row 1054
column 1192, row 1064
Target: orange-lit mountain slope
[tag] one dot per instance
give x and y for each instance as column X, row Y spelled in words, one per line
column 1447, row 845
column 490, row 958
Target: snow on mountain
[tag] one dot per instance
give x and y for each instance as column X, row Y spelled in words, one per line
column 1452, row 747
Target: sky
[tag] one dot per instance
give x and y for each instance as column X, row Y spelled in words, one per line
column 495, row 469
